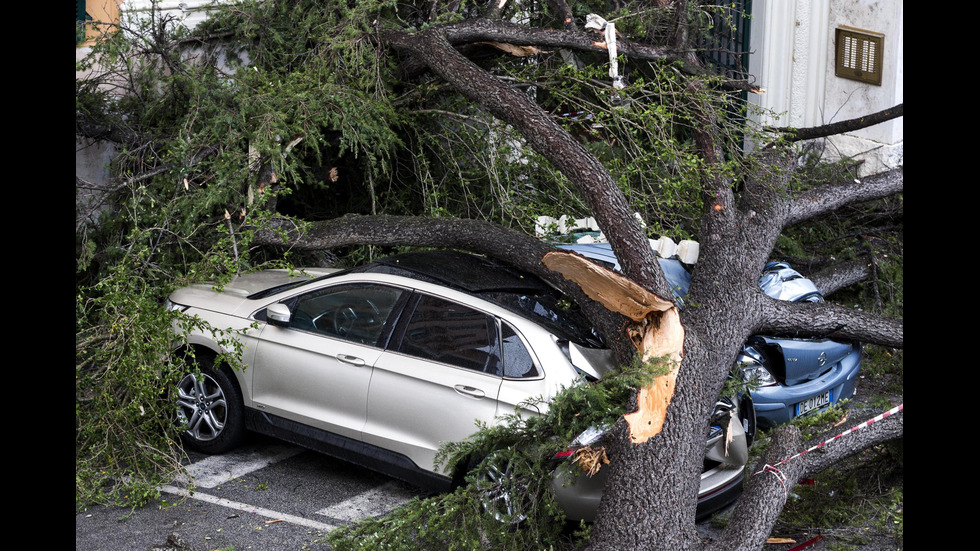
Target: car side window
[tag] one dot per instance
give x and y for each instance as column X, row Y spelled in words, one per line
column 517, row 360
column 356, row 312
column 447, row 332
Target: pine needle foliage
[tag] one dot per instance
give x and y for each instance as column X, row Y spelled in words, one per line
column 516, row 511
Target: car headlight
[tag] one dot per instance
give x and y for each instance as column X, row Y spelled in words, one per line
column 750, row 364
column 173, row 306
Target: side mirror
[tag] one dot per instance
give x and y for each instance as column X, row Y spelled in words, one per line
column 278, row 314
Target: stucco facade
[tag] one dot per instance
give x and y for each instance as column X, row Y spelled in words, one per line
column 793, row 59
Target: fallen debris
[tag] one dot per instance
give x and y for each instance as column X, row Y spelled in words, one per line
column 174, row 543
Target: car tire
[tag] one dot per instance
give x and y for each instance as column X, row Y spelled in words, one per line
column 210, row 409
column 502, row 494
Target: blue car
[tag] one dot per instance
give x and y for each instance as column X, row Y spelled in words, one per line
column 792, row 377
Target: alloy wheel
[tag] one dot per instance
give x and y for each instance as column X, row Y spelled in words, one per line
column 203, row 407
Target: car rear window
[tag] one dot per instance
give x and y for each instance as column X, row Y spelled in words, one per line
column 551, row 312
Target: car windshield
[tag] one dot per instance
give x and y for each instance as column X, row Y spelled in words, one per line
column 292, row 285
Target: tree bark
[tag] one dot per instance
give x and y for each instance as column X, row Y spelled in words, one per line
column 840, row 276
column 832, row 129
column 826, row 320
column 825, row 199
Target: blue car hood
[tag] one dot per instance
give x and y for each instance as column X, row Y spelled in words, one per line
column 805, row 360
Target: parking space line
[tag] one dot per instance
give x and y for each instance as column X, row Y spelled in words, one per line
column 292, row 519
column 219, row 469
column 371, row 503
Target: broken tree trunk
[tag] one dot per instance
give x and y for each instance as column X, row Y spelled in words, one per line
column 658, row 333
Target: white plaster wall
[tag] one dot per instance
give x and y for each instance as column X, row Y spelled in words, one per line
column 880, row 146
column 847, row 99
column 793, row 60
column 190, row 13
column 92, row 176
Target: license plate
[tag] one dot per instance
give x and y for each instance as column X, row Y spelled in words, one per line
column 813, row 403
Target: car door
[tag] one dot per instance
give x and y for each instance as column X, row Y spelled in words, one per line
column 439, row 376
column 317, row 370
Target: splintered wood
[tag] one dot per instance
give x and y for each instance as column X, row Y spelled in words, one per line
column 665, row 338
column 607, row 287
column 660, row 336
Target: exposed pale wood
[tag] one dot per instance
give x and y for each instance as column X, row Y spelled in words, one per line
column 662, row 333
column 606, row 286
column 519, row 51
column 662, row 339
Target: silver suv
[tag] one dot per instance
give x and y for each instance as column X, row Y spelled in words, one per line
column 381, row 364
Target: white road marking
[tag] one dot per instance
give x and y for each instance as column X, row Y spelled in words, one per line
column 219, row 469
column 371, row 503
column 275, row 515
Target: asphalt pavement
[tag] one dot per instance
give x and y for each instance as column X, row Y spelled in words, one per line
column 266, row 496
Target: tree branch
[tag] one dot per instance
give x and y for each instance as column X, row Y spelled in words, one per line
column 880, row 431
column 770, row 485
column 506, row 245
column 481, row 30
column 593, row 181
column 840, row 276
column 826, row 320
column 490, row 30
column 563, row 13
column 832, row 129
column 828, row 198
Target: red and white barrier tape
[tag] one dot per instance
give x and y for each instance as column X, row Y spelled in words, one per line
column 782, row 479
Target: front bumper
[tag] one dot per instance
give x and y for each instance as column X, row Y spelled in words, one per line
column 578, row 494
column 775, row 405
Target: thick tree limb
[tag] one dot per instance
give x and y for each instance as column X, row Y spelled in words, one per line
column 606, row 201
column 832, row 129
column 840, row 276
column 826, row 320
column 472, row 31
column 477, row 236
column 828, row 198
column 483, row 30
column 780, row 469
column 508, row 246
column 880, row 431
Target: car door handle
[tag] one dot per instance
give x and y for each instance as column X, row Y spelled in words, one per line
column 470, row 391
column 353, row 360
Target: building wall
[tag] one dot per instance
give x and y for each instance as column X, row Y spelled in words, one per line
column 793, row 44
column 103, row 13
column 188, row 12
column 92, row 158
